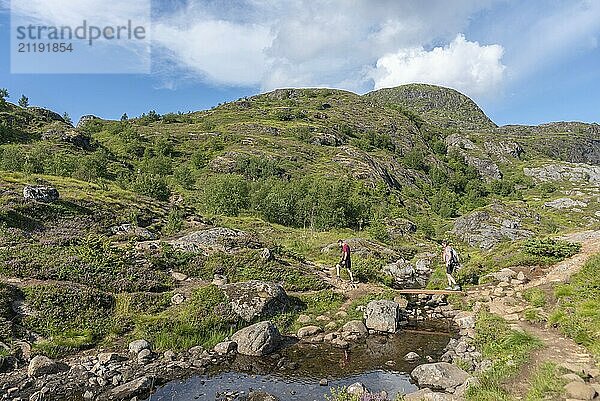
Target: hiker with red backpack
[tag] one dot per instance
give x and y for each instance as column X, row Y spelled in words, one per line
column 345, row 260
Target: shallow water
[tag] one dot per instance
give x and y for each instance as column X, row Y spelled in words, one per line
column 377, row 363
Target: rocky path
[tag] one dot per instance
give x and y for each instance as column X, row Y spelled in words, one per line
column 505, row 298
column 590, row 245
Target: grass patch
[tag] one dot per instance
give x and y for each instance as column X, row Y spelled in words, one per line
column 507, row 349
column 535, row 296
column 578, row 305
column 202, row 320
column 70, row 318
column 545, row 383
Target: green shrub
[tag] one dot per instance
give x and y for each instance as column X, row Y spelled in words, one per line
column 151, row 185
column 549, row 247
column 226, row 194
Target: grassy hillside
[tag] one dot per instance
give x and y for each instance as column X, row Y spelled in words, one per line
column 294, row 169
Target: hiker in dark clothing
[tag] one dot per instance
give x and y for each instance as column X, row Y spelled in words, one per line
column 452, row 264
column 345, row 261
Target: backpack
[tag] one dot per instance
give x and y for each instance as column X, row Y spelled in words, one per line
column 454, row 257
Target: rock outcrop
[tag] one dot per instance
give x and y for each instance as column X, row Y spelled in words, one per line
column 253, row 299
column 214, row 240
column 486, row 228
column 40, row 193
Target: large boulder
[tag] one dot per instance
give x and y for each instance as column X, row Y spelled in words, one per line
column 439, row 375
column 383, row 316
column 40, row 193
column 252, row 299
column 257, row 340
column 41, row 365
column 216, row 239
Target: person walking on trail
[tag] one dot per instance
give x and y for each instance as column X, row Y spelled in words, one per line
column 345, row 261
column 452, row 263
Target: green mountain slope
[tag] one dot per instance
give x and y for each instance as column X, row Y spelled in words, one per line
column 292, row 170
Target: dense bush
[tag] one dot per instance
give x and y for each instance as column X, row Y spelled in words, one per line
column 374, row 140
column 227, row 194
column 254, row 167
column 549, row 247
column 151, row 185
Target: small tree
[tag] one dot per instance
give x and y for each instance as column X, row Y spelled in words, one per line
column 124, row 117
column 3, row 94
column 24, row 101
column 67, row 118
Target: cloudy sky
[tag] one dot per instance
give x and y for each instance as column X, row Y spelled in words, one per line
column 522, row 61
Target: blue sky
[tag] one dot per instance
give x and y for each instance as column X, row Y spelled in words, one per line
column 523, row 62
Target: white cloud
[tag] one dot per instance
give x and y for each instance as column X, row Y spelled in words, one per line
column 466, row 66
column 271, row 44
column 219, row 51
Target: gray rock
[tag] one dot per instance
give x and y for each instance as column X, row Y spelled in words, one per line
column 440, row 375
column 135, row 347
column 486, row 168
column 503, row 275
column 405, row 275
column 502, row 150
column 219, row 280
column 412, row 356
column 145, row 356
column 177, row 299
column 41, row 193
column 179, row 276
column 41, row 366
column 355, row 329
column 109, row 357
column 465, row 320
column 133, row 388
column 225, row 347
column 580, row 391
column 253, row 299
column 324, row 139
column 257, row 340
column 131, row 230
column 356, row 389
column 303, row 319
column 485, row 228
column 308, row 331
column 382, row 316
